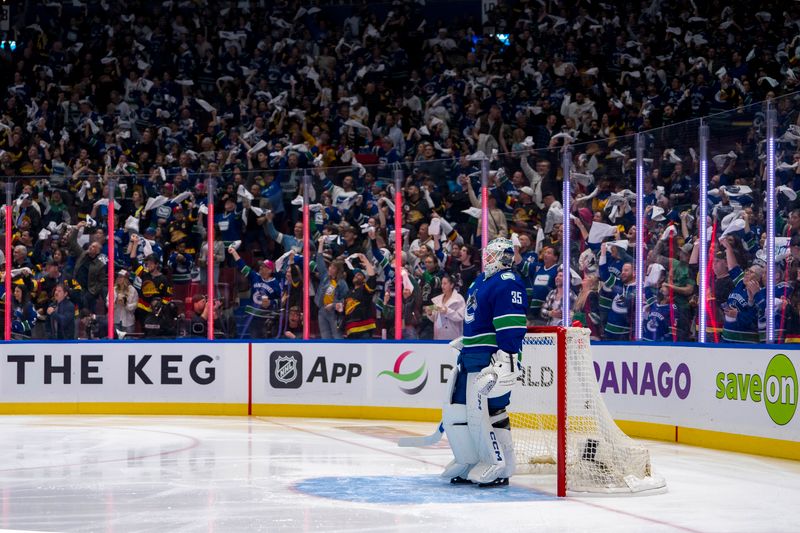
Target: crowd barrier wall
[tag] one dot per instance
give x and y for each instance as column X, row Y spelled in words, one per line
column 734, row 398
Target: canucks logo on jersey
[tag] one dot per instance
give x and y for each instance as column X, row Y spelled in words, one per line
column 472, row 305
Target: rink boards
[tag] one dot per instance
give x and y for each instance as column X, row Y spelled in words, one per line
column 741, row 399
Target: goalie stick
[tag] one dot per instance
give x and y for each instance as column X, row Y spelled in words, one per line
column 416, row 442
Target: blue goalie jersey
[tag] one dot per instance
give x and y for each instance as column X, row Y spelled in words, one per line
column 495, row 316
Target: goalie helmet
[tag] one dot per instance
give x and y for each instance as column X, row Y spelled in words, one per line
column 498, row 255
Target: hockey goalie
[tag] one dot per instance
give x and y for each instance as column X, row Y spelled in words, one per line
column 474, row 416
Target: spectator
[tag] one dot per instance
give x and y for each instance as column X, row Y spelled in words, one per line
column 543, row 281
column 741, row 313
column 61, row 313
column 497, row 223
column 265, row 296
column 330, row 295
column 250, row 112
column 618, row 325
column 161, row 321
column 23, row 315
column 465, row 270
column 447, row 311
column 660, row 320
column 586, row 308
column 412, row 309
column 201, row 309
column 91, row 270
column 125, row 302
column 551, row 308
column 294, row 324
column 359, row 312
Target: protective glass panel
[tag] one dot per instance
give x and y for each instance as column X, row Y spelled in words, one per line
column 603, row 248
column 523, row 196
column 248, row 209
column 737, row 173
column 227, row 227
column 787, row 219
column 670, row 165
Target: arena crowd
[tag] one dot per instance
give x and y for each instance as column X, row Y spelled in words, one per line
column 161, row 109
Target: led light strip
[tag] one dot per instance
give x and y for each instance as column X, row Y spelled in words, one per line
column 640, row 252
column 703, row 225
column 566, row 285
column 770, row 244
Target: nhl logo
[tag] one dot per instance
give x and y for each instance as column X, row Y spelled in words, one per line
column 287, row 370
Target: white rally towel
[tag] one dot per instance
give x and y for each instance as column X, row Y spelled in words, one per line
column 600, row 231
column 132, row 225
column 622, row 244
column 474, row 212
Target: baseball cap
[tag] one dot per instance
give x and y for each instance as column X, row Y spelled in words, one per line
column 527, row 190
column 269, row 264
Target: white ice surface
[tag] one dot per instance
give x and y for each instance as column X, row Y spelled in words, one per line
column 226, row 474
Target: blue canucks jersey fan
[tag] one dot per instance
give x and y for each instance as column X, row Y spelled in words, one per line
column 474, row 416
column 623, row 300
column 661, row 316
column 741, row 312
column 265, row 293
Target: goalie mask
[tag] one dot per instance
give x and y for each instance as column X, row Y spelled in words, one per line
column 498, row 255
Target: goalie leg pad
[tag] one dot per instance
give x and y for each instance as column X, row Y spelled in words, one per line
column 485, row 436
column 502, row 428
column 454, row 420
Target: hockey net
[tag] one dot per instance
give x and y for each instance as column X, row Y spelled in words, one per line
column 560, row 423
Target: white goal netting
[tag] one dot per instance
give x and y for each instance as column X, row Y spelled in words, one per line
column 599, row 456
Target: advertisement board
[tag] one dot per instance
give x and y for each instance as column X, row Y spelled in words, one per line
column 355, row 374
column 723, row 397
column 744, row 391
column 117, row 374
